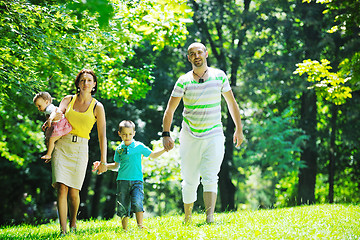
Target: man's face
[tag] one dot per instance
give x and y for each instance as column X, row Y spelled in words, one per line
column 197, row 55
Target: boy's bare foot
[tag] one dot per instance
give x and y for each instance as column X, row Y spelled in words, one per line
column 141, row 226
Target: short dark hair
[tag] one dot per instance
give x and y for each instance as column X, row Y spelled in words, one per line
column 43, row 95
column 77, row 80
column 126, row 124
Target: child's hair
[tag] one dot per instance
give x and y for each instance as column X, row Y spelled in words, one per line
column 43, row 95
column 126, row 124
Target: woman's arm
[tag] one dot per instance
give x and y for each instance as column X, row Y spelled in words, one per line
column 64, row 103
column 101, row 128
column 56, row 115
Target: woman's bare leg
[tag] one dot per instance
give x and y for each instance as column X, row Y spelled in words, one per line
column 74, row 203
column 62, row 194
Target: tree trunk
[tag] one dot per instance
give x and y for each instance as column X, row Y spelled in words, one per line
column 307, row 175
column 311, row 14
column 227, row 188
column 334, row 113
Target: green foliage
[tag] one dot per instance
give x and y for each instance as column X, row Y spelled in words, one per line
column 162, row 178
column 306, row 222
column 277, row 144
column 329, row 85
column 272, row 154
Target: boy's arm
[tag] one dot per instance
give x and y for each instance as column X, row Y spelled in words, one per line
column 109, row 166
column 157, row 153
column 113, row 166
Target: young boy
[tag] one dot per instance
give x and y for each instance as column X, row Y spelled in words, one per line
column 130, row 193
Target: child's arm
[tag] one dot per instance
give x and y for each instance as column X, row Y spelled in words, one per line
column 55, row 115
column 157, row 153
column 113, row 166
column 109, row 166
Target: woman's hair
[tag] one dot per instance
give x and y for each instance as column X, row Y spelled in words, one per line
column 43, row 95
column 126, row 124
column 77, row 80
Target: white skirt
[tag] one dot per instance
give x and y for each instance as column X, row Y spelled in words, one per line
column 69, row 161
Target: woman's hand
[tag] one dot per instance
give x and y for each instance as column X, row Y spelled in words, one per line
column 102, row 168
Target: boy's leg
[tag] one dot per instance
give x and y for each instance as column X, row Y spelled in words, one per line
column 137, row 198
column 123, row 202
column 139, row 219
column 51, row 146
column 124, row 222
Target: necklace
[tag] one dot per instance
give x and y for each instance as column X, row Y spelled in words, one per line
column 201, row 80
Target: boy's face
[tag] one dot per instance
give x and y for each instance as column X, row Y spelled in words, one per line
column 41, row 104
column 127, row 135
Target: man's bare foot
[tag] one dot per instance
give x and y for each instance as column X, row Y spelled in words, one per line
column 187, row 219
column 210, row 218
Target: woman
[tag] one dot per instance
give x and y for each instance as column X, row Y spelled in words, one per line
column 70, row 157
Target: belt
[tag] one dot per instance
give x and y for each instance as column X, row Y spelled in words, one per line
column 75, row 139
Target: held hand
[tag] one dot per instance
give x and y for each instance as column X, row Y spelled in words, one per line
column 168, row 143
column 96, row 166
column 101, row 169
column 238, row 138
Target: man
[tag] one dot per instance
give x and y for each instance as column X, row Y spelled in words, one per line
column 201, row 137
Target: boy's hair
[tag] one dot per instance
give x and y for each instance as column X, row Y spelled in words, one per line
column 43, row 95
column 126, row 124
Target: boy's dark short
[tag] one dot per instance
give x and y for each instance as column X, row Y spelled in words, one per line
column 130, row 196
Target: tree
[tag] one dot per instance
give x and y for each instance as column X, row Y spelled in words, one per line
column 337, row 86
column 45, row 43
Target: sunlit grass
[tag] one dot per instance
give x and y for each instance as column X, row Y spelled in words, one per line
column 306, row 222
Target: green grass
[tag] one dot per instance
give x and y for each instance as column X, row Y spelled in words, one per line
column 306, row 222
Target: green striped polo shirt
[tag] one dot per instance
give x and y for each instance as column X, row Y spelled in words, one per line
column 202, row 102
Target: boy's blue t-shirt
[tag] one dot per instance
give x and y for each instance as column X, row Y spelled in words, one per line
column 129, row 158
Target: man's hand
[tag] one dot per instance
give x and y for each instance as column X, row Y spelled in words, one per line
column 238, row 138
column 168, row 143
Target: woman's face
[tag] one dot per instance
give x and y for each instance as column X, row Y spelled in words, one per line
column 86, row 83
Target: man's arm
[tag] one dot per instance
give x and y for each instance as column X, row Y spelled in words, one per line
column 235, row 114
column 173, row 103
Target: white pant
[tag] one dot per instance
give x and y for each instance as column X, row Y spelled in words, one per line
column 200, row 157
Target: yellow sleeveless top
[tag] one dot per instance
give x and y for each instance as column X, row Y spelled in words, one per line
column 81, row 122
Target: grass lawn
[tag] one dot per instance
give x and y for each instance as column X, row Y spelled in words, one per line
column 306, row 222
